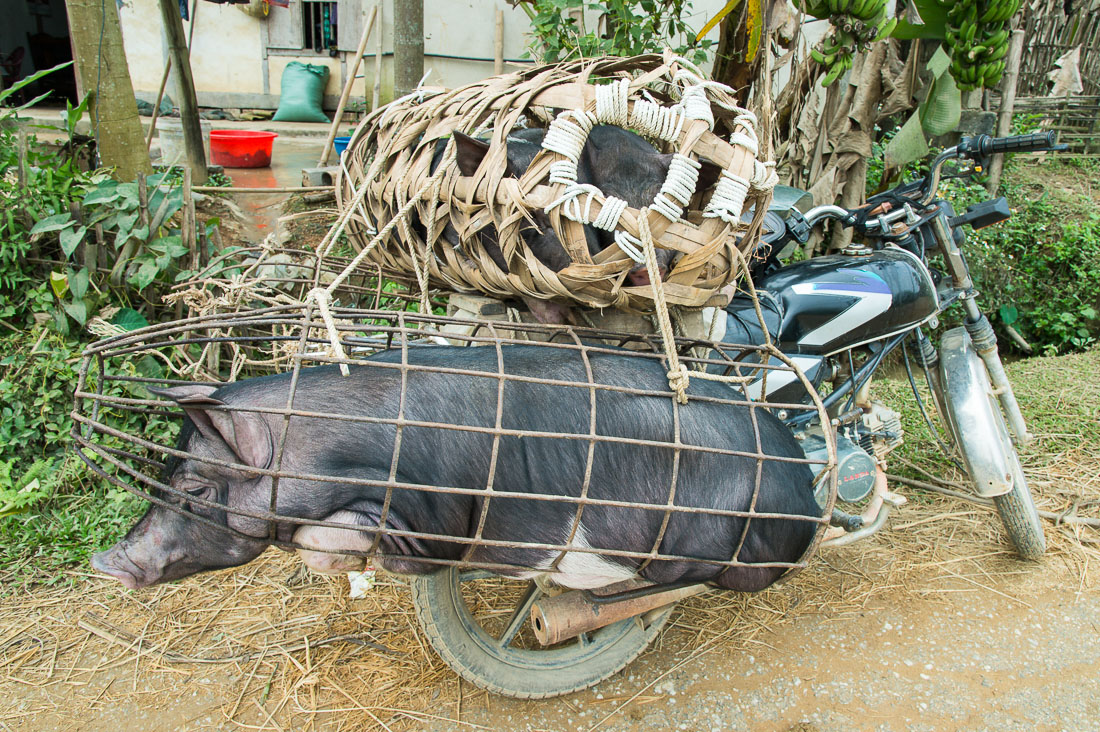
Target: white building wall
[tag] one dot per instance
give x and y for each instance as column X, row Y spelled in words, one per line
column 229, row 65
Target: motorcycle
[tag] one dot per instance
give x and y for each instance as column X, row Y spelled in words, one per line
column 837, row 318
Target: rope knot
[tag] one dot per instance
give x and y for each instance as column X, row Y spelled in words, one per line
column 323, row 298
column 678, row 380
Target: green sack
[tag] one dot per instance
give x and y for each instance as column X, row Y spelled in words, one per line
column 303, row 87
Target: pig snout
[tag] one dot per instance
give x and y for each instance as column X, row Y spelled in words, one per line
column 115, row 562
column 639, row 276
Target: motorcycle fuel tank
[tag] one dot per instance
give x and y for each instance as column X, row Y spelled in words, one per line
column 835, row 302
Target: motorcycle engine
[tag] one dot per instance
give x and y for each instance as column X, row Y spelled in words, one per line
column 855, row 468
column 859, row 447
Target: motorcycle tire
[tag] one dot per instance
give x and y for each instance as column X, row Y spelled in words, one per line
column 973, row 421
column 447, row 604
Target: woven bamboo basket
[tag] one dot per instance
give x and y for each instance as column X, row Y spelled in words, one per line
column 387, row 171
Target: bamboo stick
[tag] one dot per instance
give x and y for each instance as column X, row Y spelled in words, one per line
column 498, row 44
column 1008, row 102
column 347, row 88
column 287, row 189
column 156, row 106
column 376, row 97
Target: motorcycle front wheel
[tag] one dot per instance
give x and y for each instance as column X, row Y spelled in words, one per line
column 478, row 624
column 981, row 434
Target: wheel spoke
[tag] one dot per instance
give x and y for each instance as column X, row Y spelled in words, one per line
column 519, row 615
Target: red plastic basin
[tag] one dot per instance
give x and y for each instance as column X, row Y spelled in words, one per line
column 241, row 148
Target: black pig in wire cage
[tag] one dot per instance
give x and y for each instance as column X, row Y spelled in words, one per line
column 549, row 451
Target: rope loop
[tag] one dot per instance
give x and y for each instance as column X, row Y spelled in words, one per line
column 629, row 244
column 323, row 298
column 653, row 120
column 612, row 103
column 678, row 188
column 728, row 199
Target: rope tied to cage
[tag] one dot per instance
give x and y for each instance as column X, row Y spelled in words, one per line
column 677, row 374
column 322, row 296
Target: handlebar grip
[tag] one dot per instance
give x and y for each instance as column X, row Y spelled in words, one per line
column 984, row 145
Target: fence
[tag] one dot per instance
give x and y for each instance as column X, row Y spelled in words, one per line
column 1050, row 34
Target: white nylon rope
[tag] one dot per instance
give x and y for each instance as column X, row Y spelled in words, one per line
column 612, row 103
column 566, row 137
column 678, row 188
column 653, row 120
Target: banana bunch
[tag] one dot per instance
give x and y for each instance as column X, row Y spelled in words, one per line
column 977, row 37
column 858, row 23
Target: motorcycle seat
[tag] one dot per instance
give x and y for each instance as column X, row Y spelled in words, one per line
column 743, row 325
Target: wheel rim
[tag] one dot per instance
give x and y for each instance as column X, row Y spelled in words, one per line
column 505, row 635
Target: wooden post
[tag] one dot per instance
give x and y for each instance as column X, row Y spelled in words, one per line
column 347, row 88
column 1008, row 103
column 408, row 45
column 101, row 63
column 189, row 106
column 498, row 44
column 376, row 96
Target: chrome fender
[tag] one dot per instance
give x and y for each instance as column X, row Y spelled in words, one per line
column 973, row 414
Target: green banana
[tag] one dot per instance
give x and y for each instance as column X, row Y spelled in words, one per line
column 886, row 28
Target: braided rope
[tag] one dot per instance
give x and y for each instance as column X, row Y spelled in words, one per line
column 728, row 199
column 678, row 379
column 653, row 120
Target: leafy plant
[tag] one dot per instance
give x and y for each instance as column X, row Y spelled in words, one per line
column 631, row 27
column 53, row 510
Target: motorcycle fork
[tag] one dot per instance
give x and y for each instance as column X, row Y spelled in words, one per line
column 980, row 330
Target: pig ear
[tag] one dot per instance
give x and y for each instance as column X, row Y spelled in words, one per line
column 175, row 393
column 245, row 433
column 470, row 152
column 708, row 175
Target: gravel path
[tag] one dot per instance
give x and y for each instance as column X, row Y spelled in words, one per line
column 1021, row 653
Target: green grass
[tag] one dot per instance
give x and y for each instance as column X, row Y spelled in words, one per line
column 1058, row 395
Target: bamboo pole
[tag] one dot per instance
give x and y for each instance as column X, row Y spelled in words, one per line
column 156, row 106
column 1008, row 104
column 347, row 88
column 376, row 97
column 189, row 108
column 287, row 189
column 498, row 44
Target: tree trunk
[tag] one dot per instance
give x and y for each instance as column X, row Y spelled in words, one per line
column 189, row 106
column 730, row 66
column 101, row 65
column 408, row 45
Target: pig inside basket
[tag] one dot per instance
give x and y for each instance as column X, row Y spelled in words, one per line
column 566, row 458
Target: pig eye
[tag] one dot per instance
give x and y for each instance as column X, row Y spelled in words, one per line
column 198, row 490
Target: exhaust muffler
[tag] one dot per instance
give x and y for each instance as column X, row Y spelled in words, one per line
column 559, row 618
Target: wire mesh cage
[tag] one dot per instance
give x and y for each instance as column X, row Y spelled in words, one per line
column 566, row 455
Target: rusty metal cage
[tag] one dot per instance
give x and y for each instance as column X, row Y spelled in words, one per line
column 396, row 344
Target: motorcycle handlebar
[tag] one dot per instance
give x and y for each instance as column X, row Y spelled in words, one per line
column 977, row 147
column 984, row 145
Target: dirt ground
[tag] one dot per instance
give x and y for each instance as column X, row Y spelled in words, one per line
column 970, row 642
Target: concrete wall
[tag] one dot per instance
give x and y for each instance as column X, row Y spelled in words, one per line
column 229, row 64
